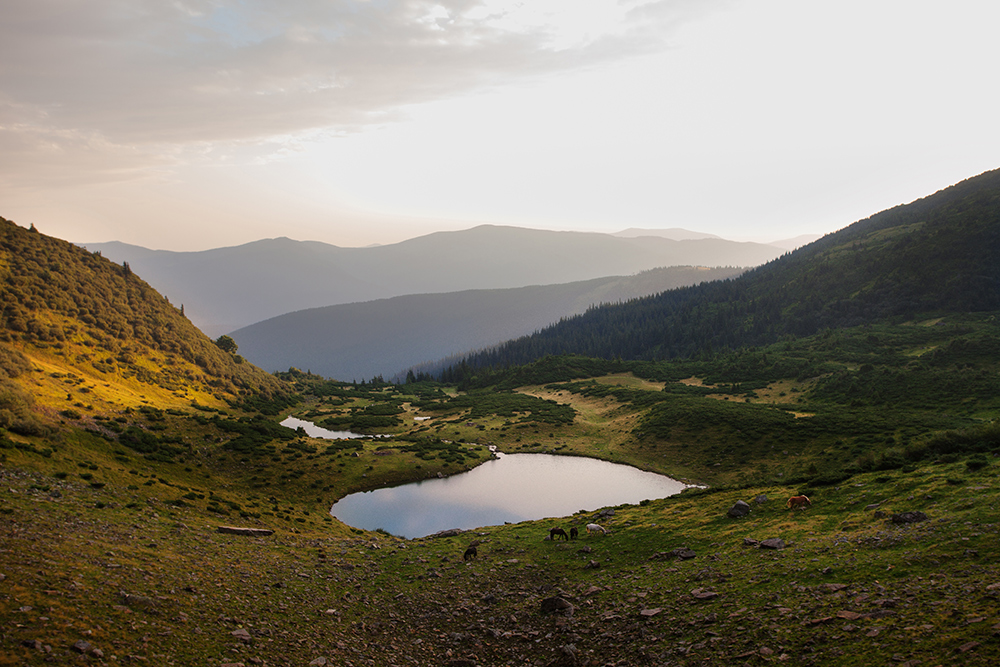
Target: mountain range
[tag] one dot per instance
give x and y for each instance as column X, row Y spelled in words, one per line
column 226, row 289
column 385, row 337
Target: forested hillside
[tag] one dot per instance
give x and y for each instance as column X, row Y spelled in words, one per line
column 388, row 336
column 937, row 254
column 71, row 309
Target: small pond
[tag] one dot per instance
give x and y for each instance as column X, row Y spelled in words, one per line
column 314, row 431
column 510, row 488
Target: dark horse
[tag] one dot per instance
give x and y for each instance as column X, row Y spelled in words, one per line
column 573, row 533
column 470, row 553
column 558, row 532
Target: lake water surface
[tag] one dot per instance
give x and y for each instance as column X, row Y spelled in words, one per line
column 511, row 488
column 314, row 431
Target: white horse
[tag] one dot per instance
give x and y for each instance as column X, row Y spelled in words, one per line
column 594, row 528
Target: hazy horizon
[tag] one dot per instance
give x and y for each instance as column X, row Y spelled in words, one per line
column 211, row 123
column 653, row 232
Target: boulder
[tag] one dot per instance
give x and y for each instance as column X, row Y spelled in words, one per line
column 739, row 509
column 451, row 532
column 909, row 517
column 556, row 604
column 242, row 635
column 773, row 543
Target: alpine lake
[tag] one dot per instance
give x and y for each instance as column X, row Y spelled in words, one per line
column 508, row 488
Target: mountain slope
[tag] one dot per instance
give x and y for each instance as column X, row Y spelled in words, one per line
column 79, row 334
column 386, row 337
column 937, row 254
column 229, row 288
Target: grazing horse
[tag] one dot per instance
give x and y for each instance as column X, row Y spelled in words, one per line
column 798, row 502
column 557, row 532
column 470, row 553
column 594, row 528
column 573, row 533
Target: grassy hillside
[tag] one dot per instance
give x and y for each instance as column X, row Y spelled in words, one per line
column 940, row 254
column 74, row 311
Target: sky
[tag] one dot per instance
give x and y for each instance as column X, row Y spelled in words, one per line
column 193, row 124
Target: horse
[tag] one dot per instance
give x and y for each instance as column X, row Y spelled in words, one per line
column 557, row 532
column 470, row 553
column 573, row 533
column 798, row 502
column 594, row 528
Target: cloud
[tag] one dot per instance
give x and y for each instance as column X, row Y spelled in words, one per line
column 114, row 84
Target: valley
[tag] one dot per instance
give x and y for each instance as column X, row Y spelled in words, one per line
column 131, row 446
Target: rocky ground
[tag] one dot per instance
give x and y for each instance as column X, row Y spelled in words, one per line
column 93, row 576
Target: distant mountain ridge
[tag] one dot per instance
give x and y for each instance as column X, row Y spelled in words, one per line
column 225, row 289
column 678, row 234
column 674, row 233
column 359, row 341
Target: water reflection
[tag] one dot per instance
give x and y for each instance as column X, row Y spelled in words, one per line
column 314, row 431
column 511, row 488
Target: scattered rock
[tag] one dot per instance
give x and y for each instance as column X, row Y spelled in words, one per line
column 592, row 565
column 773, row 543
column 682, row 553
column 650, row 612
column 81, row 646
column 139, row 601
column 452, row 532
column 319, row 662
column 818, row 621
column 832, row 588
column 556, row 604
column 570, row 652
column 739, row 509
column 246, row 532
column 909, row 517
column 242, row 635
column 750, row 542
column 704, row 594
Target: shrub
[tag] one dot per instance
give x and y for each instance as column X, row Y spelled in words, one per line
column 976, row 462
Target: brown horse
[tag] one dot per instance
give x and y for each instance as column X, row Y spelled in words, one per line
column 798, row 502
column 558, row 532
column 470, row 553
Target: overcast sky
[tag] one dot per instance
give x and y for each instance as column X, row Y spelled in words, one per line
column 190, row 124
